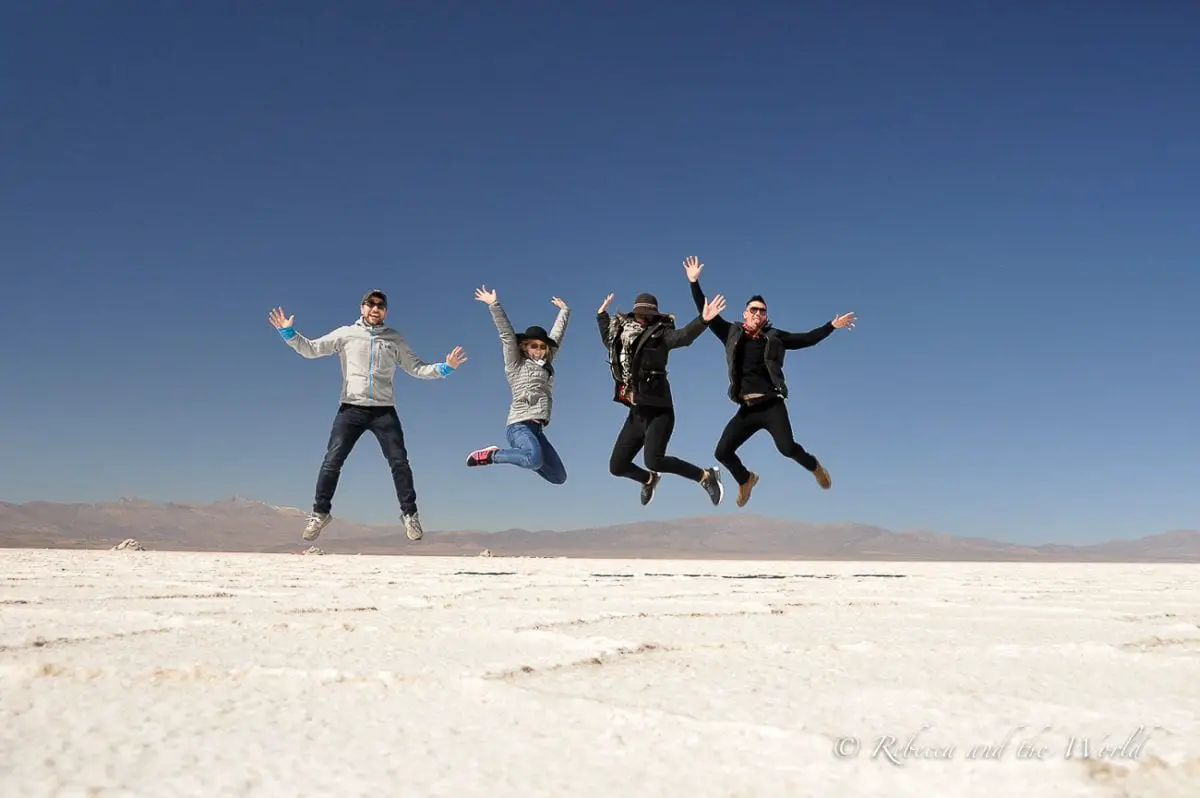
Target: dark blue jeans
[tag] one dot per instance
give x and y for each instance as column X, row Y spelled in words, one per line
column 349, row 425
column 530, row 449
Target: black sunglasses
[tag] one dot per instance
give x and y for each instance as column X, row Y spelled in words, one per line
column 375, row 303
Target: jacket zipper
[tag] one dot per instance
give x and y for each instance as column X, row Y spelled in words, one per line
column 371, row 365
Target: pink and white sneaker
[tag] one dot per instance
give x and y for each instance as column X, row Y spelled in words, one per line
column 481, row 457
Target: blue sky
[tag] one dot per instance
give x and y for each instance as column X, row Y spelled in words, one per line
column 1005, row 193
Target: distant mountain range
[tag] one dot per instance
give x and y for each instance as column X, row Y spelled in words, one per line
column 240, row 524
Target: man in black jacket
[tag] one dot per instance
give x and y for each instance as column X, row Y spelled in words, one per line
column 754, row 353
column 639, row 344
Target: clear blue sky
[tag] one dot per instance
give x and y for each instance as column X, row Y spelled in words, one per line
column 1006, row 194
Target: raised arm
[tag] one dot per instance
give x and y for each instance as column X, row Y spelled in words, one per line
column 692, row 268
column 320, row 347
column 604, row 321
column 508, row 336
column 719, row 326
column 693, row 330
column 559, row 330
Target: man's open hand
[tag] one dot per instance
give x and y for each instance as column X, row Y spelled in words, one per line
column 845, row 321
column 278, row 320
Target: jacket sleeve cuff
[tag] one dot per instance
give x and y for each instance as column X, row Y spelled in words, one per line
column 287, row 333
column 444, row 369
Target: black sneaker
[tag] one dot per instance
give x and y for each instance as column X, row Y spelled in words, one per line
column 648, row 488
column 711, row 482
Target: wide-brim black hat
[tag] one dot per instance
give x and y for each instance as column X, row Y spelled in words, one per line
column 536, row 333
column 647, row 304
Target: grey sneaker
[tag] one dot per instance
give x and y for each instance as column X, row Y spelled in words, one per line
column 648, row 488
column 711, row 482
column 412, row 526
column 315, row 523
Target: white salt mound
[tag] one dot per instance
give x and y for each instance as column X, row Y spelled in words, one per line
column 128, row 544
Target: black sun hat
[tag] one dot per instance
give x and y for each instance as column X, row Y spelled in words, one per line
column 536, row 333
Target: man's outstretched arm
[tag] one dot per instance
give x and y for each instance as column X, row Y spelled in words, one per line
column 416, row 367
column 818, row 334
column 803, row 340
column 320, row 347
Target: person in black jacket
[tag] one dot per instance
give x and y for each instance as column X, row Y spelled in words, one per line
column 639, row 344
column 754, row 353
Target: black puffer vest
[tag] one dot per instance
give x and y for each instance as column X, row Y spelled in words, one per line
column 774, row 356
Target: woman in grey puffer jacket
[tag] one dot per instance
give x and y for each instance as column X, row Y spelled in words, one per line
column 529, row 367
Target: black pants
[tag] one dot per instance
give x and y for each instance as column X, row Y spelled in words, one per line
column 649, row 428
column 771, row 415
column 349, row 425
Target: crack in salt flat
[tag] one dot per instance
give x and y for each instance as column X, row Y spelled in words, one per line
column 42, row 642
column 596, row 660
column 318, row 610
column 1161, row 642
column 1152, row 616
column 206, row 673
column 547, row 625
column 485, row 573
column 218, row 594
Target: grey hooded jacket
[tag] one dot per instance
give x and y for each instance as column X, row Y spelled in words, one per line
column 532, row 383
column 369, row 357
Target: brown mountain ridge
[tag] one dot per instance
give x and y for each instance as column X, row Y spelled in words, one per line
column 239, row 524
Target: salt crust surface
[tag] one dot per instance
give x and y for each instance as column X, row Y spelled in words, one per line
column 130, row 673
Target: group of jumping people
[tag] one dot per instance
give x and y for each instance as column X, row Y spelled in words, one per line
column 638, row 344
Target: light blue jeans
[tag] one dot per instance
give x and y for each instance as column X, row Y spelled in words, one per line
column 530, row 449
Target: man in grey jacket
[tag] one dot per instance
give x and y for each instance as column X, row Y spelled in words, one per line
column 369, row 352
column 529, row 367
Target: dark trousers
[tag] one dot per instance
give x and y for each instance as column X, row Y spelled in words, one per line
column 349, row 425
column 649, row 428
column 771, row 415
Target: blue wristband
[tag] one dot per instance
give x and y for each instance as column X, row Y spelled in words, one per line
column 287, row 333
column 444, row 369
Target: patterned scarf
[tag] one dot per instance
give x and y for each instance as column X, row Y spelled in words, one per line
column 629, row 329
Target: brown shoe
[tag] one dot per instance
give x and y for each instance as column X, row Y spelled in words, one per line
column 823, row 478
column 744, row 490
